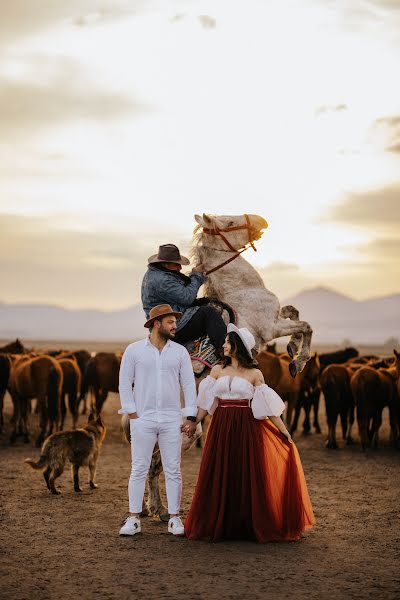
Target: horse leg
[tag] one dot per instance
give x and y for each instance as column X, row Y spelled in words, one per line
column 63, row 410
column 16, row 400
column 24, row 419
column 293, row 426
column 307, row 409
column 343, row 422
column 282, row 328
column 349, row 439
column 377, row 422
column 315, row 404
column 101, row 397
column 73, row 404
column 2, row 394
column 154, row 503
column 295, row 342
column 331, row 443
column 43, row 418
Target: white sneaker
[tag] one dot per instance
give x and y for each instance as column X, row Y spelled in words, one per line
column 175, row 526
column 131, row 526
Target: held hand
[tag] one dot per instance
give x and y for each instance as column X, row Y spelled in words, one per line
column 189, row 427
column 133, row 415
column 198, row 269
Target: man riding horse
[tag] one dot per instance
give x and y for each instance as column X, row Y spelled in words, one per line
column 163, row 283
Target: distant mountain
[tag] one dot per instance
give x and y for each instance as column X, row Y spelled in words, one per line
column 334, row 318
column 47, row 322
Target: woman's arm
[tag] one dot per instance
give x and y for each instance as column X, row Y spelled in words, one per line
column 277, row 421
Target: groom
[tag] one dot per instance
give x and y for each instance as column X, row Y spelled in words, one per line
column 155, row 367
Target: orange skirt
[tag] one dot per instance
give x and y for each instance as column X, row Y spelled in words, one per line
column 251, row 483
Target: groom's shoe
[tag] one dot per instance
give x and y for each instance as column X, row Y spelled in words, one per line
column 131, row 526
column 175, row 526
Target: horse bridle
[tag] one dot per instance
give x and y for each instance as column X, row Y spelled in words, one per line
column 237, row 252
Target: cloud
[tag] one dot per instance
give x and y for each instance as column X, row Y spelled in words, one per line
column 383, row 251
column 56, row 91
column 21, row 18
column 385, row 132
column 371, row 209
column 43, row 260
column 207, row 22
column 320, row 110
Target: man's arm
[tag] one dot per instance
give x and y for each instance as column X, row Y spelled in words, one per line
column 176, row 293
column 186, row 377
column 126, row 380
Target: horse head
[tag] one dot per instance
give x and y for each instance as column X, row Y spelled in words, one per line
column 229, row 233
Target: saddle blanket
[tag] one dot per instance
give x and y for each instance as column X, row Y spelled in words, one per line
column 203, row 351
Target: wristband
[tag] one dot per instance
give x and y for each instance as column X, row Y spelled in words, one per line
column 191, row 419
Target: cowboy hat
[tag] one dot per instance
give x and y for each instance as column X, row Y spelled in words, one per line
column 168, row 253
column 245, row 335
column 159, row 311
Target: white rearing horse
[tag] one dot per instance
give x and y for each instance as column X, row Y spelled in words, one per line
column 218, row 243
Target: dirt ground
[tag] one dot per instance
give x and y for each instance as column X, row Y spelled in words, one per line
column 67, row 546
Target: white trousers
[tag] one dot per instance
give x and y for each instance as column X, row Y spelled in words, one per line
column 144, row 435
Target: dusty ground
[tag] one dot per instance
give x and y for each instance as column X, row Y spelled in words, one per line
column 59, row 547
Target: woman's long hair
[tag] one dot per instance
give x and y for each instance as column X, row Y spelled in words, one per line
column 238, row 350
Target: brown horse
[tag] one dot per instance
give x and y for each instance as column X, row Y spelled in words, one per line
column 82, row 357
column 101, row 377
column 71, row 387
column 40, row 377
column 13, row 348
column 5, row 369
column 335, row 384
column 373, row 390
column 298, row 392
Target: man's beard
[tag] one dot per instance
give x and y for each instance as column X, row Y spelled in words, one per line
column 167, row 335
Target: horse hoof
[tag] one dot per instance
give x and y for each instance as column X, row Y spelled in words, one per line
column 93, row 485
column 145, row 513
column 291, row 349
column 78, row 489
column 164, row 517
column 55, row 492
column 13, row 438
column 26, row 439
column 293, row 369
column 331, row 445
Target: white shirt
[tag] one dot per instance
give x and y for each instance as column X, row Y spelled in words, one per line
column 156, row 378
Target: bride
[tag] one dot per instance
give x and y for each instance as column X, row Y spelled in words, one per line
column 251, row 483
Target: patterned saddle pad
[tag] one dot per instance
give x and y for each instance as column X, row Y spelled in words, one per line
column 202, row 351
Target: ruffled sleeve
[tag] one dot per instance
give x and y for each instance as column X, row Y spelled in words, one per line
column 266, row 403
column 206, row 396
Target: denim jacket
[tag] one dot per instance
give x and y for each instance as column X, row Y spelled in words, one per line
column 161, row 286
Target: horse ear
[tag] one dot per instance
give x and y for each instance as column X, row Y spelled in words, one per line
column 207, row 219
column 199, row 219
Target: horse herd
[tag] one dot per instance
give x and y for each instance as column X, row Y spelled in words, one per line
column 352, row 386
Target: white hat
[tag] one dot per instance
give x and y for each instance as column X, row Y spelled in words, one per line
column 245, row 335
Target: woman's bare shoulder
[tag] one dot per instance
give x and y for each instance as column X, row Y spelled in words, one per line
column 216, row 371
column 258, row 377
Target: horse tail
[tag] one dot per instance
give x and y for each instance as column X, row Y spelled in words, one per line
column 126, row 428
column 89, row 378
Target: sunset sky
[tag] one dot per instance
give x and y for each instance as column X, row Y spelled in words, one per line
column 120, row 120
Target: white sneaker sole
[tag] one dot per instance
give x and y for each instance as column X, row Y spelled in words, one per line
column 176, row 534
column 130, row 534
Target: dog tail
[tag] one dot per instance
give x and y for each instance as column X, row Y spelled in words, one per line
column 38, row 466
column 126, row 428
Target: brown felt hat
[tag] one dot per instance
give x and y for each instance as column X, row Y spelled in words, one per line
column 168, row 253
column 159, row 311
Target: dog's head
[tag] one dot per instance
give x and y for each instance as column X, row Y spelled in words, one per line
column 96, row 424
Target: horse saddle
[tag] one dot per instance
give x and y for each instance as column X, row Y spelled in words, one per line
column 202, row 353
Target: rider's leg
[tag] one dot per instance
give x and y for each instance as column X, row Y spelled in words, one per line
column 206, row 321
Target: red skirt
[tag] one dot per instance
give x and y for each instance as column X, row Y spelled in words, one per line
column 251, row 483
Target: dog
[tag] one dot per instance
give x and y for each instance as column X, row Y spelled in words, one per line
column 81, row 447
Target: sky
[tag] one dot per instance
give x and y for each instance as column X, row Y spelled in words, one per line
column 120, row 120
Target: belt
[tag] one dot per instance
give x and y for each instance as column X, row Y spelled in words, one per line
column 233, row 403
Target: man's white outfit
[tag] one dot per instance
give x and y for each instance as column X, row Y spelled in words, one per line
column 149, row 384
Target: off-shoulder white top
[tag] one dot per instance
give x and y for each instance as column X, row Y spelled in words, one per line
column 265, row 402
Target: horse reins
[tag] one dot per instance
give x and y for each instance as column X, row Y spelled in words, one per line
column 220, row 232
